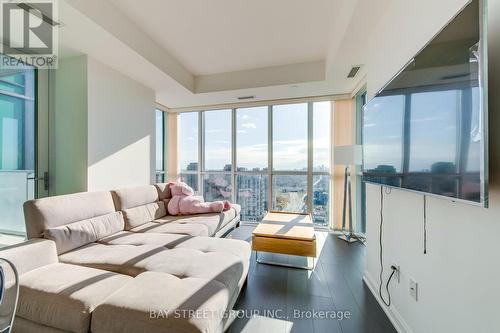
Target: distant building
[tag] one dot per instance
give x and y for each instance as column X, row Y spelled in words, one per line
column 252, row 196
column 191, row 179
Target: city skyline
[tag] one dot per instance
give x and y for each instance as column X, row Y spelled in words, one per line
column 290, row 152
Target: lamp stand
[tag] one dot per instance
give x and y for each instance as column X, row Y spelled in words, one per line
column 348, row 235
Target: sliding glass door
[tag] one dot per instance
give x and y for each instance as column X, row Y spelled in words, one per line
column 23, row 165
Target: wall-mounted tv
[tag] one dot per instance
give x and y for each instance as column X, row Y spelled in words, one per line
column 426, row 130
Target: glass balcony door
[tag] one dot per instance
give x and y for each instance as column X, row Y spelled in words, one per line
column 19, row 154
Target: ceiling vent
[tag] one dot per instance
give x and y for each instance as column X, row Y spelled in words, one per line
column 243, row 98
column 354, row 70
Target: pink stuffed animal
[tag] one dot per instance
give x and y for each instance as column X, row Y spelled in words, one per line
column 183, row 202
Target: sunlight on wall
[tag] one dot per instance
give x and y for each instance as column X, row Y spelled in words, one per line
column 127, row 167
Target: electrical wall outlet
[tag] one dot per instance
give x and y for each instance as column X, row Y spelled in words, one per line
column 397, row 274
column 414, row 289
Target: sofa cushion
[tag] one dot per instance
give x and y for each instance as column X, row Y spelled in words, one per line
column 219, row 265
column 22, row 325
column 158, row 303
column 192, row 229
column 136, row 196
column 239, row 248
column 31, row 254
column 137, row 216
column 212, row 221
column 172, row 241
column 45, row 213
column 70, row 236
column 237, row 208
column 63, row 296
column 164, row 191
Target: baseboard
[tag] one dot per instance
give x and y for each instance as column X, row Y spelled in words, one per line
column 396, row 319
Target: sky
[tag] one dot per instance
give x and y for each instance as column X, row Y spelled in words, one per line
column 289, row 137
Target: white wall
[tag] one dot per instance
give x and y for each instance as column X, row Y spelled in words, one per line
column 68, row 127
column 121, row 130
column 458, row 277
column 103, row 128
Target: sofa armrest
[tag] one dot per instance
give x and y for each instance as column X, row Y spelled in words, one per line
column 31, row 254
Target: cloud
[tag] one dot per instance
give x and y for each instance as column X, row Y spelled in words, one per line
column 249, row 125
column 211, row 131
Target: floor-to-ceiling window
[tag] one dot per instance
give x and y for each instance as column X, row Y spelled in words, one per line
column 252, row 149
column 160, row 146
column 188, row 144
column 290, row 157
column 217, row 157
column 265, row 157
column 17, row 145
column 321, row 137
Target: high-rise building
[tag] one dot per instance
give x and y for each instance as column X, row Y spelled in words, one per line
column 252, row 196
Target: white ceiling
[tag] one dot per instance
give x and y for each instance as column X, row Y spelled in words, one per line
column 219, row 36
column 200, row 52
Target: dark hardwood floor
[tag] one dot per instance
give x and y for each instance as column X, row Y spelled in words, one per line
column 278, row 299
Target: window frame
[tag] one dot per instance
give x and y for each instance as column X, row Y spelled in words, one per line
column 270, row 173
column 161, row 175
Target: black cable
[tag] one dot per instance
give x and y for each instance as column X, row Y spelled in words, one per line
column 425, row 224
column 388, row 302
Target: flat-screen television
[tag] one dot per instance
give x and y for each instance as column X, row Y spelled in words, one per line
column 426, row 130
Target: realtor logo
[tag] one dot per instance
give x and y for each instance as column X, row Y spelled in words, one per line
column 28, row 33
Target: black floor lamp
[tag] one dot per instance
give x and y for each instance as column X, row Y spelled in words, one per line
column 347, row 156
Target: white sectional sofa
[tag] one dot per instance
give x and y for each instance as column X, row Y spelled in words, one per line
column 116, row 262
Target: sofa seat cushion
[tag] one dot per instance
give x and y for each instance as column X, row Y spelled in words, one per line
column 220, row 265
column 213, row 221
column 63, row 296
column 70, row 236
column 172, row 241
column 157, row 303
column 191, row 229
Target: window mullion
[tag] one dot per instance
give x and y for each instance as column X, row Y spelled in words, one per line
column 233, row 155
column 309, row 156
column 270, row 158
column 165, row 146
column 201, row 151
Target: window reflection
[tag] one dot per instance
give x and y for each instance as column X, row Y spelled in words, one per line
column 423, row 131
column 437, row 151
column 382, row 134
